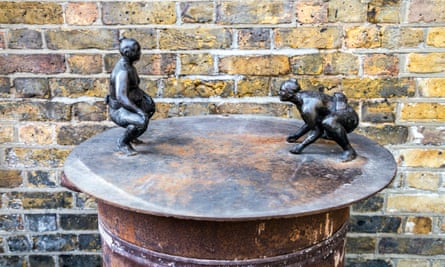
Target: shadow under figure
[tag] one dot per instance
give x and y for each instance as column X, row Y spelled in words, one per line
column 324, row 116
column 128, row 105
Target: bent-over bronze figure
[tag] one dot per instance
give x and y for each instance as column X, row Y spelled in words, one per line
column 325, row 116
column 129, row 106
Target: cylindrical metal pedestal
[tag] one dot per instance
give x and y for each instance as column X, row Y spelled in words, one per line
column 135, row 239
column 224, row 191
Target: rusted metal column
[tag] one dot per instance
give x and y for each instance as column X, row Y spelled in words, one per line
column 218, row 191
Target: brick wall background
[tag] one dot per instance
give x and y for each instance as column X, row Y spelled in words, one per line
column 215, row 57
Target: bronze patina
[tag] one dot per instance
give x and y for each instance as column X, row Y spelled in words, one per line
column 128, row 105
column 324, row 116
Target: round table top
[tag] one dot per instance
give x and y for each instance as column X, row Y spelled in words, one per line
column 227, row 168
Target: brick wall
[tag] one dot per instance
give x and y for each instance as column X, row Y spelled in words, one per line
column 220, row 57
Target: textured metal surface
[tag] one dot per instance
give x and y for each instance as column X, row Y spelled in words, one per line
column 217, row 239
column 227, row 168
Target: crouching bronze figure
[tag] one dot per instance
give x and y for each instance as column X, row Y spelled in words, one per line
column 128, row 105
column 325, row 116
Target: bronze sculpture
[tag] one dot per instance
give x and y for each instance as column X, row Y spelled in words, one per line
column 325, row 116
column 128, row 105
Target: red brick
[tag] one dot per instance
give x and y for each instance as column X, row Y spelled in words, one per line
column 35, row 63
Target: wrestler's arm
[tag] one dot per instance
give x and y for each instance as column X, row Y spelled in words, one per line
column 122, row 93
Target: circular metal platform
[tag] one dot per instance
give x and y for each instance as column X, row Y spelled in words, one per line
column 227, row 168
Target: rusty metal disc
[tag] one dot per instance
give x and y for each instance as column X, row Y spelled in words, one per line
column 225, row 168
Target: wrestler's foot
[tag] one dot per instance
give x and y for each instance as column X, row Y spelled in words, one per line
column 348, row 155
column 127, row 149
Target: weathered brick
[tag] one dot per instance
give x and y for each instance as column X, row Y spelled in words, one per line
column 150, row 64
column 30, row 13
column 19, row 244
column 436, row 37
column 197, row 88
column 85, row 63
column 253, row 86
column 311, row 64
column 76, row 87
column 166, row 110
column 39, row 63
column 84, row 111
column 254, row 38
column 411, row 245
column 80, row 260
column 381, row 64
column 426, row 63
column 419, row 225
column 363, row 37
column 378, row 112
column 10, row 178
column 309, row 12
column 374, row 224
column 25, row 39
column 418, row 203
column 6, row 133
column 347, row 11
column 384, row 11
column 254, row 11
column 255, row 65
column 78, row 221
column 34, row 111
column 139, row 12
column 418, row 157
column 90, row 242
column 36, row 134
column 272, row 109
column 197, row 64
column 57, row 242
column 385, row 134
column 372, row 204
column 194, row 38
column 195, row 108
column 423, row 111
column 41, row 222
column 428, row 135
column 76, row 134
column 41, row 179
column 32, row 87
column 341, row 63
column 84, row 201
column 413, row 263
column 423, row 180
column 13, row 261
column 2, row 40
column 431, row 87
column 399, row 37
column 313, row 83
column 378, row 88
column 81, row 13
column 197, row 12
column 5, row 87
column 426, row 11
column 360, row 244
column 41, row 200
column 146, row 37
column 157, row 64
column 11, row 223
column 82, row 39
column 35, row 157
column 308, row 37
column 365, row 262
column 150, row 86
column 42, row 261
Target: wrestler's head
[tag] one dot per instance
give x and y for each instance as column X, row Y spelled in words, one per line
column 130, row 48
column 288, row 89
